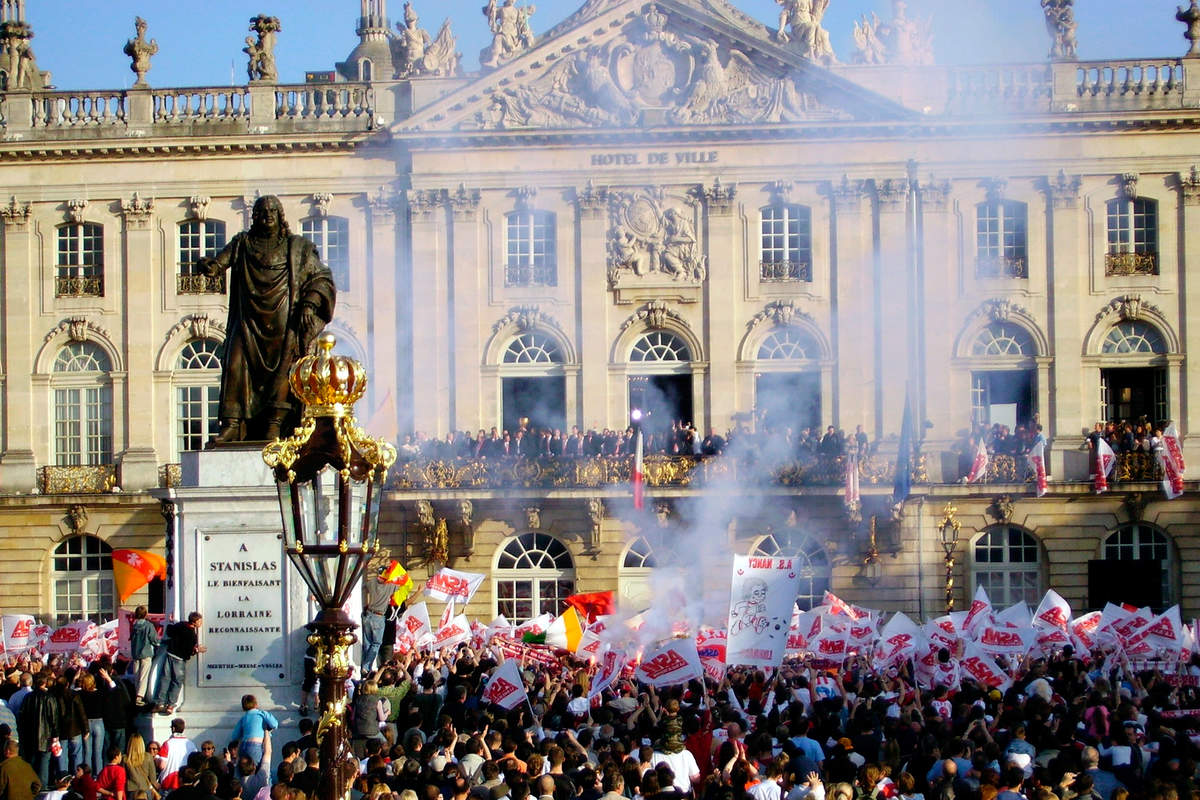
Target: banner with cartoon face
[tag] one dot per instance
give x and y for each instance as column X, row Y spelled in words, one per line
column 761, row 599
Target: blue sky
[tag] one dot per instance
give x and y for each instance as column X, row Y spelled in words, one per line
column 81, row 41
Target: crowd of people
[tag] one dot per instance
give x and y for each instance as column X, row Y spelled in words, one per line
column 1065, row 730
column 680, row 438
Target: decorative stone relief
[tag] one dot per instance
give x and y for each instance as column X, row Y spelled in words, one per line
column 533, row 517
column 892, row 193
column 466, row 511
column 595, row 511
column 140, row 51
column 422, row 203
column 320, row 203
column 1130, row 307
column 382, row 204
column 650, row 238
column 1190, row 16
column 718, row 197
column 425, row 515
column 198, row 206
column 198, row 326
column 781, row 191
column 137, row 211
column 20, row 65
column 261, row 64
column 1000, row 309
column 76, row 329
column 464, row 202
column 1129, row 185
column 847, row 195
column 1190, row 184
column 653, row 314
column 935, row 195
column 663, row 510
column 778, row 312
column 77, row 517
column 900, row 40
column 1135, row 506
column 994, row 188
column 16, row 215
column 526, row 318
column 676, row 78
column 524, row 195
column 1001, row 509
column 511, row 34
column 248, row 202
column 76, row 210
column 414, row 53
column 1063, row 191
column 591, row 200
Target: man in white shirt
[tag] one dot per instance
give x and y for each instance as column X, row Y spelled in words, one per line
column 768, row 788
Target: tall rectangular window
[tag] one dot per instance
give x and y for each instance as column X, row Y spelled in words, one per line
column 1001, row 239
column 331, row 237
column 1132, row 237
column 196, row 407
column 83, row 426
column 530, row 249
column 199, row 239
column 785, row 252
column 80, row 260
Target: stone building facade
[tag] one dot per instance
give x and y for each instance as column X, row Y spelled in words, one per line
column 660, row 205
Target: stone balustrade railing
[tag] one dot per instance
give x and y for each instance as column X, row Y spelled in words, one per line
column 1000, row 88
column 261, row 108
column 1153, row 83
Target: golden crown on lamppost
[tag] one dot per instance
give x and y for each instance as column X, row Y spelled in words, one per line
column 329, row 385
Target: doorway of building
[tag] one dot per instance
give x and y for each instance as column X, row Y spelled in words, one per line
column 1004, row 397
column 1131, row 393
column 541, row 402
column 662, row 399
column 788, row 399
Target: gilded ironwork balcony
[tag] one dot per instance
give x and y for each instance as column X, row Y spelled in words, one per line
column 1136, row 466
column 169, row 476
column 97, row 479
column 200, row 284
column 1131, row 264
column 779, row 271
column 79, row 286
column 518, row 275
column 1001, row 267
column 660, row 471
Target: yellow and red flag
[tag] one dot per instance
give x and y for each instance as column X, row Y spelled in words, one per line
column 133, row 569
column 394, row 573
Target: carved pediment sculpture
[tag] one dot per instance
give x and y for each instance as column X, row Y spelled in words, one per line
column 676, row 77
column 511, row 34
column 415, row 53
column 900, row 40
column 652, row 239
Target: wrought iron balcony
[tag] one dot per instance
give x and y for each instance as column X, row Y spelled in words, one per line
column 200, row 284
column 79, row 479
column 1130, row 467
column 779, row 271
column 79, row 286
column 520, row 275
column 1131, row 264
column 1001, row 267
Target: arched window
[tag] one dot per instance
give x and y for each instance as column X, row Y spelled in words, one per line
column 660, row 346
column 640, row 555
column 789, row 343
column 81, row 577
column 199, row 239
column 331, row 237
column 533, row 348
column 1141, row 542
column 1133, row 337
column 1132, row 237
column 1003, row 339
column 810, row 555
column 634, row 577
column 786, row 245
column 534, row 574
column 80, row 260
column 365, row 70
column 82, row 400
column 1000, row 239
column 197, row 394
column 530, row 247
column 1007, row 563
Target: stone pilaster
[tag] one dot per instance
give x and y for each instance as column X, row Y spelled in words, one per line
column 1067, row 281
column 723, row 333
column 894, row 305
column 852, row 290
column 945, row 399
column 469, row 275
column 389, row 346
column 17, row 464
column 140, row 278
column 591, row 203
column 1189, row 261
column 428, row 287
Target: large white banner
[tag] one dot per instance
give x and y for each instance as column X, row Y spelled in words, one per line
column 761, row 599
column 676, row 661
column 450, row 584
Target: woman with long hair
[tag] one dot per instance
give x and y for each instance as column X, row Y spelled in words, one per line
column 141, row 774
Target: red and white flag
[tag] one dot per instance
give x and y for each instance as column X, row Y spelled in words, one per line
column 979, row 613
column 447, row 614
column 611, row 664
column 1171, row 443
column 450, row 584
column 415, row 623
column 676, row 661
column 980, row 464
column 1106, row 459
column 1170, row 460
column 1037, row 462
column 853, row 497
column 980, row 666
column 71, row 637
column 505, row 688
column 898, row 641
column 17, row 631
column 1053, row 612
column 452, row 634
column 639, row 477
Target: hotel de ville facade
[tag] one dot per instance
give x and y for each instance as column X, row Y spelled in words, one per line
column 667, row 207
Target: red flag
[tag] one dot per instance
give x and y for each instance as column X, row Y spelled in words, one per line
column 1174, row 451
column 593, row 604
column 1106, row 459
column 1037, row 461
column 979, row 465
column 638, row 476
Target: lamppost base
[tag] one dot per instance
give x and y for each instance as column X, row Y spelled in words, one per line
column 332, row 637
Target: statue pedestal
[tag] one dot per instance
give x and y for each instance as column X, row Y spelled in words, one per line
column 227, row 560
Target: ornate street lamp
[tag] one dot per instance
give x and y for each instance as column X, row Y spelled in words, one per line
column 948, row 531
column 330, row 477
column 872, row 567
